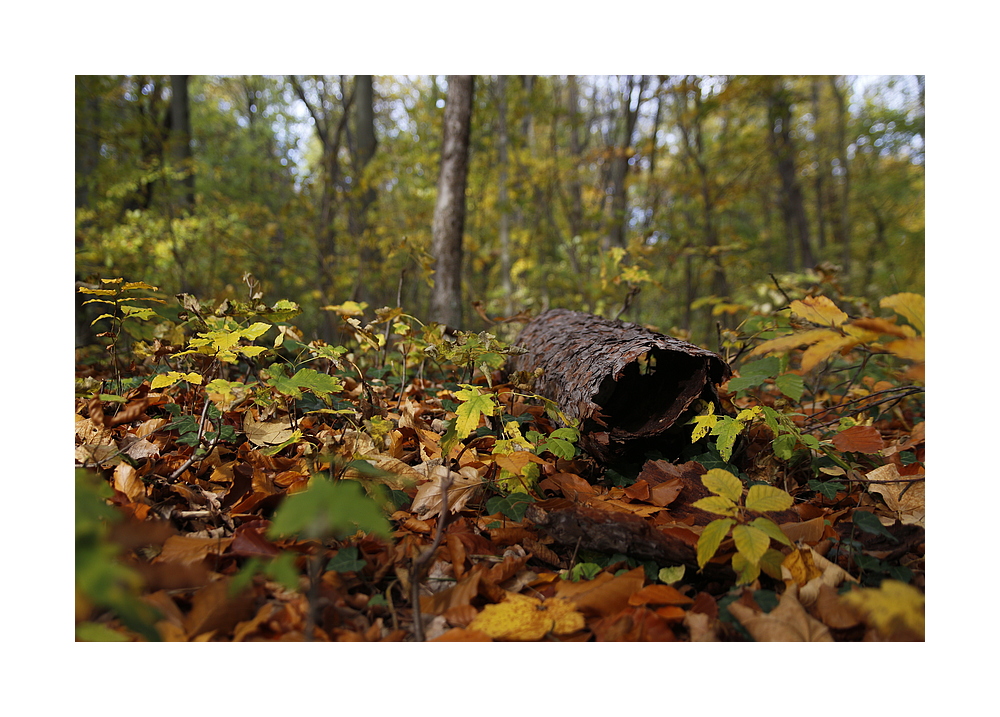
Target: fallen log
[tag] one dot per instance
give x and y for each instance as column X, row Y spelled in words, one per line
column 627, row 385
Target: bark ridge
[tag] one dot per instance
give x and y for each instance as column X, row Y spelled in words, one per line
column 625, row 383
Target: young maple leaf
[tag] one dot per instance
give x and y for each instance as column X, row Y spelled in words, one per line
column 474, row 406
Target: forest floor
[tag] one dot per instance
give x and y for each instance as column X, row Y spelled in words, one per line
column 341, row 505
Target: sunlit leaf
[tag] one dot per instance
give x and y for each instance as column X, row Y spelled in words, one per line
column 819, row 310
column 909, row 306
column 751, row 542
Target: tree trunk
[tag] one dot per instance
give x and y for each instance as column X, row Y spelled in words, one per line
column 627, row 386
column 842, row 227
column 180, row 142
column 792, row 202
column 504, row 164
column 449, row 211
column 363, row 195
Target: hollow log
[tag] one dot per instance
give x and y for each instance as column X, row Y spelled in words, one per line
column 628, row 386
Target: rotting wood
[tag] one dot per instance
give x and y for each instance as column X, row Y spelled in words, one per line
column 625, row 383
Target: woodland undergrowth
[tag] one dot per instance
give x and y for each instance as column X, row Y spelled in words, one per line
column 238, row 482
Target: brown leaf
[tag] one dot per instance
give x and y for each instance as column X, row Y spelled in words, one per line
column 213, row 609
column 789, row 622
column 460, row 634
column 126, row 480
column 188, row 551
column 659, row 595
column 605, row 594
column 859, row 439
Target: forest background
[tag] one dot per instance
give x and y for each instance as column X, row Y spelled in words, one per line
column 739, row 37
column 690, row 198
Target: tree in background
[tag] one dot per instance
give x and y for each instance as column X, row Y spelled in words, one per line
column 449, row 210
column 325, row 188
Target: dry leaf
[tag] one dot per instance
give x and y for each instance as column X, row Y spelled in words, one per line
column 789, row 622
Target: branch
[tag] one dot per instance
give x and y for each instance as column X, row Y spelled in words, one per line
column 420, row 563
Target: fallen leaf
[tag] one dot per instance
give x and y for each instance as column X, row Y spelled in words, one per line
column 520, row 617
column 789, row 622
column 906, row 500
column 894, row 609
column 859, row 439
column 430, row 497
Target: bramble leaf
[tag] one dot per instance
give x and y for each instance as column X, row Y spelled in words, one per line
column 751, row 542
column 767, row 499
column 723, row 483
column 716, row 504
column 711, row 538
column 771, row 529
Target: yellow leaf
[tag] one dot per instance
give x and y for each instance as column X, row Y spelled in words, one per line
column 784, row 343
column 895, row 609
column 751, row 543
column 722, row 482
column 716, row 504
column 520, row 617
column 911, row 349
column 909, row 306
column 819, row 310
column 821, row 350
column 765, row 498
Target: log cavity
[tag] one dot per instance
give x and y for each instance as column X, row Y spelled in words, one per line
column 625, row 383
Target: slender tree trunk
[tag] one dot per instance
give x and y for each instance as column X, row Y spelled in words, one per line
column 618, row 231
column 364, row 195
column 842, row 229
column 180, row 141
column 792, row 202
column 819, row 144
column 503, row 162
column 449, row 210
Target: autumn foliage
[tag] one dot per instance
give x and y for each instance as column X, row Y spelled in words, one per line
column 236, row 482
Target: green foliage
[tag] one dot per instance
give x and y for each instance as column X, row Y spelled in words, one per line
column 327, row 509
column 101, row 580
column 751, row 537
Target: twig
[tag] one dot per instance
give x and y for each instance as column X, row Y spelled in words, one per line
column 420, row 563
column 908, row 391
column 194, row 456
column 775, row 280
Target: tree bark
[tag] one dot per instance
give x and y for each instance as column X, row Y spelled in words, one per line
column 363, row 194
column 449, row 211
column 627, row 386
column 504, row 164
column 792, row 202
column 180, row 141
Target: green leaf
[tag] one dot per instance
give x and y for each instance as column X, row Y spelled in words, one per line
column 346, row 561
column 870, row 523
column 828, row 489
column 791, row 384
column 711, row 538
column 784, row 446
column 513, row 505
column 671, row 575
column 767, row 499
column 751, row 542
column 771, row 529
column 328, row 509
column 723, row 483
column 746, row 571
column 586, row 571
column 319, row 383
